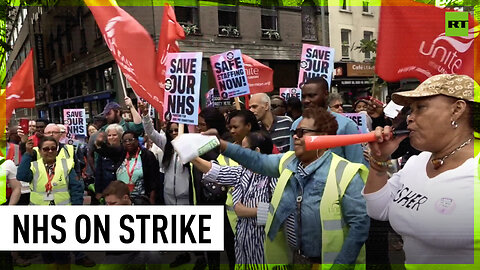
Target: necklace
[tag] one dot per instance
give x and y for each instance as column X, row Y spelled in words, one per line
column 438, row 162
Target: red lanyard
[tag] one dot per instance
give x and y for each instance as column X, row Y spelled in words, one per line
column 130, row 172
column 48, row 185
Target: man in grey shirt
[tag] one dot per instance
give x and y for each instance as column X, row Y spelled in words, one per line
column 277, row 126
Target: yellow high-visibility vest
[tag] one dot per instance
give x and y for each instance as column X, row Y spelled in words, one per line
column 3, row 182
column 61, row 195
column 334, row 230
column 232, row 216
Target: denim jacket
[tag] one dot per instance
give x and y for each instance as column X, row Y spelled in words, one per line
column 312, row 183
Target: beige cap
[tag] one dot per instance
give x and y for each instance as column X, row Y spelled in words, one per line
column 452, row 85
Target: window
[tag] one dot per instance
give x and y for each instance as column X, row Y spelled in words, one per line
column 270, row 23
column 365, row 7
column 309, row 21
column 345, row 38
column 368, row 36
column 187, row 17
column 227, row 21
column 60, row 44
column 83, row 36
column 345, row 5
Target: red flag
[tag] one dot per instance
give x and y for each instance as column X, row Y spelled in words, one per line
column 412, row 43
column 259, row 76
column 171, row 31
column 131, row 46
column 20, row 91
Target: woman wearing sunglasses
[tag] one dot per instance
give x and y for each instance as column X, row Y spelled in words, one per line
column 317, row 206
column 53, row 181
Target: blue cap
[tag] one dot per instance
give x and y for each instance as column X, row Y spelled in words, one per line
column 110, row 106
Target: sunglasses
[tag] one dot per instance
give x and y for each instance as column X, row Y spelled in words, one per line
column 300, row 131
column 49, row 149
column 336, row 106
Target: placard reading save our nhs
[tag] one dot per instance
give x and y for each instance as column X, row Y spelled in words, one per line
column 182, row 87
column 142, row 228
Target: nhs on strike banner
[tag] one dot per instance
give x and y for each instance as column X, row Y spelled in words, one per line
column 360, row 119
column 75, row 121
column 287, row 93
column 230, row 74
column 115, row 228
column 182, row 87
column 317, row 61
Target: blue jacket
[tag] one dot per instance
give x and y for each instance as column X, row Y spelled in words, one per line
column 313, row 183
column 352, row 153
column 75, row 186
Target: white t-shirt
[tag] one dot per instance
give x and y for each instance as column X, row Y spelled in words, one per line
column 10, row 169
column 434, row 216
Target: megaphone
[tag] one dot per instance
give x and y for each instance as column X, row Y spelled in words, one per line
column 332, row 141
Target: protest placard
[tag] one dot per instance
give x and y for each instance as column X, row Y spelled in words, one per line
column 214, row 100
column 229, row 71
column 287, row 93
column 182, row 87
column 316, row 61
column 360, row 119
column 75, row 121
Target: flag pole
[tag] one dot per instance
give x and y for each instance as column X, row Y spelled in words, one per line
column 181, row 129
column 122, row 82
column 237, row 103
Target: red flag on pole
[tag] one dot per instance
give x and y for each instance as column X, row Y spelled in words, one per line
column 170, row 32
column 20, row 91
column 412, row 43
column 259, row 76
column 131, row 46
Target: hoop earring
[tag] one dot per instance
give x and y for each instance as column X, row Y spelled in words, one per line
column 317, row 153
column 454, row 124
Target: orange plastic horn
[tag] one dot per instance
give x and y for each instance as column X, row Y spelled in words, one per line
column 332, row 141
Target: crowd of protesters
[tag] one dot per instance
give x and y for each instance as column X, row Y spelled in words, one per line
column 285, row 205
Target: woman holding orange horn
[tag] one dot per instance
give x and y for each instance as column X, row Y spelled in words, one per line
column 430, row 202
column 317, row 214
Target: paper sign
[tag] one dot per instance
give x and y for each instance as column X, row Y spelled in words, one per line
column 392, row 109
column 214, row 100
column 230, row 75
column 75, row 121
column 316, row 61
column 287, row 93
column 182, row 87
column 360, row 119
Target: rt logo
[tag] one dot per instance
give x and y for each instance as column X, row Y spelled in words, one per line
column 456, row 24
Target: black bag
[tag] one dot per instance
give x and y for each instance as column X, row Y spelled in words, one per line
column 214, row 192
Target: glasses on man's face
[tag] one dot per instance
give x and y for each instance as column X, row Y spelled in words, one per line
column 173, row 130
column 336, row 106
column 49, row 149
column 51, row 133
column 301, row 131
column 129, row 140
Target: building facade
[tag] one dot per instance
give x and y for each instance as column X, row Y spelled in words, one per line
column 349, row 25
column 74, row 68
